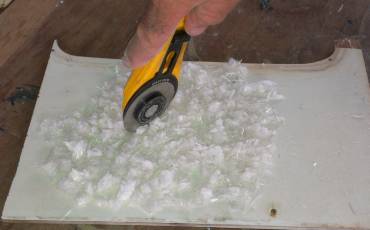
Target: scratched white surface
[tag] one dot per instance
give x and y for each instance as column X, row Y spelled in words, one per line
column 321, row 173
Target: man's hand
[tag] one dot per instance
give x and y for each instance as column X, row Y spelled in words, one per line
column 160, row 21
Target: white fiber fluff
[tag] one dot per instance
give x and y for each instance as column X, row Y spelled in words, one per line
column 214, row 145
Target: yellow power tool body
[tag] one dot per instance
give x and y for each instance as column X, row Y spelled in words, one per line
column 150, row 88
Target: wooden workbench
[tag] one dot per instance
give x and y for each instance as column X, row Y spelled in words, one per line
column 102, row 30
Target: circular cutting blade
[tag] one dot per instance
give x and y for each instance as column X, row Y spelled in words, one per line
column 148, row 104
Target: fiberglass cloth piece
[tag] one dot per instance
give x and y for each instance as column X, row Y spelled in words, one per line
column 212, row 147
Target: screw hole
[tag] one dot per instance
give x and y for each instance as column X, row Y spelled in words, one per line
column 273, row 212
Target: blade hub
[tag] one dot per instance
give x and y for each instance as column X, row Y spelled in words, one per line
column 149, row 102
column 151, row 108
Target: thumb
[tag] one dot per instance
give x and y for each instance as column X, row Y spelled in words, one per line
column 155, row 28
column 210, row 12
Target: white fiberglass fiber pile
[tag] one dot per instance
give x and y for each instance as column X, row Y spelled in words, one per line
column 210, row 151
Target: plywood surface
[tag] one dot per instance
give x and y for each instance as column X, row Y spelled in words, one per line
column 320, row 176
column 4, row 3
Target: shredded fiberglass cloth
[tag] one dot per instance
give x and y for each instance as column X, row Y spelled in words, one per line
column 211, row 148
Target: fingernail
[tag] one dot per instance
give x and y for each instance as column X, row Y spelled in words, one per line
column 125, row 61
column 195, row 31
